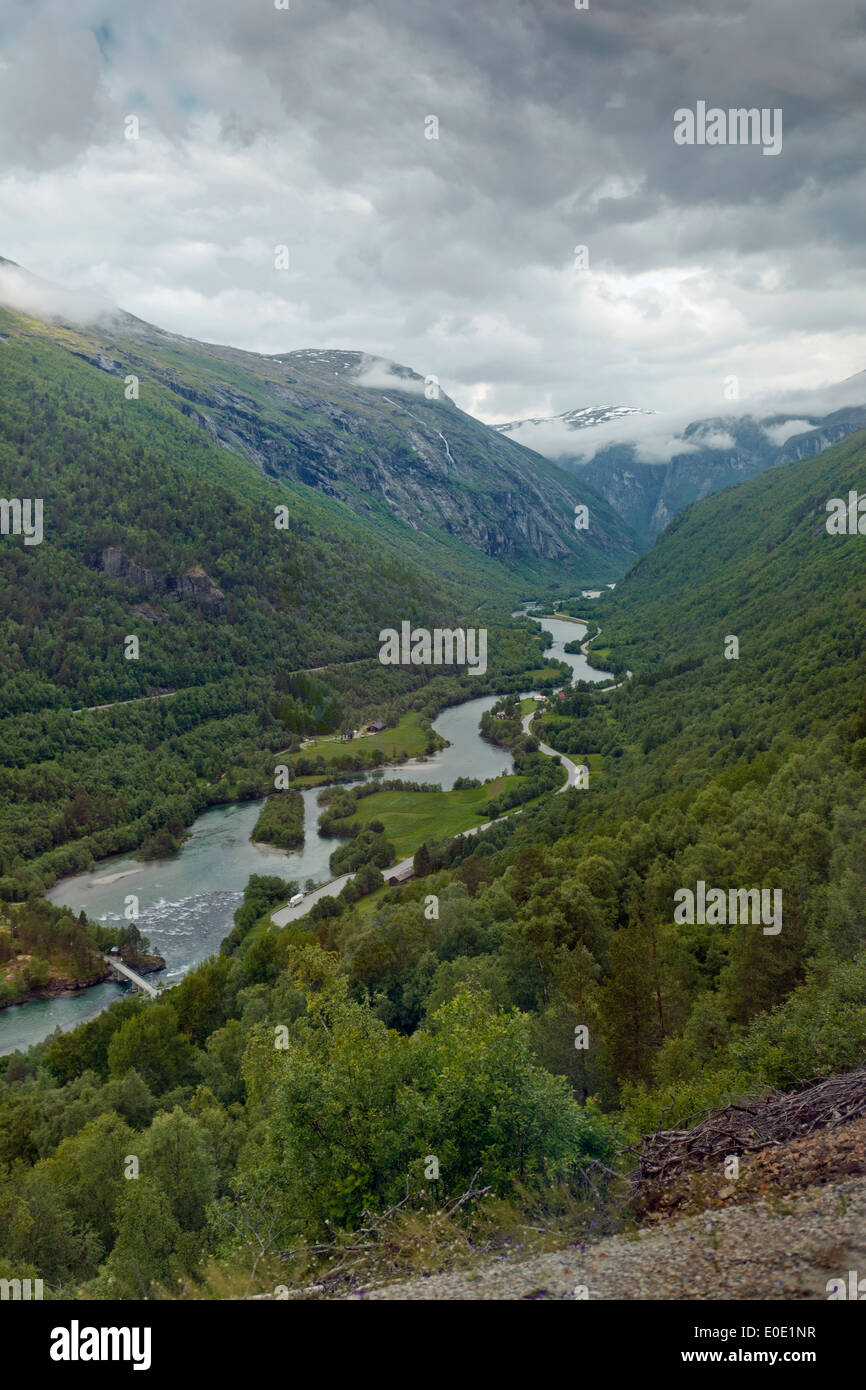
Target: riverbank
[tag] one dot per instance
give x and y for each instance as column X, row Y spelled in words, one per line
column 63, row 985
column 187, row 902
column 574, row 774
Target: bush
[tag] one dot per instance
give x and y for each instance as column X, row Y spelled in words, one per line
column 358, row 1107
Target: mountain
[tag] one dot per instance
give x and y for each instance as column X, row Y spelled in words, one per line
column 580, row 419
column 373, row 436
column 649, row 472
column 755, row 561
column 409, row 1036
column 162, row 596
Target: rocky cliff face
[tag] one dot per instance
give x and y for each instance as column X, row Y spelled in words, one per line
column 381, row 439
column 193, row 584
column 375, row 435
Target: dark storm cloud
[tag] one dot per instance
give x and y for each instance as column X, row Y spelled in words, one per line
column 306, row 127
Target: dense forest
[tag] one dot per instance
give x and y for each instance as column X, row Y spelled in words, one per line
column 527, row 1006
column 281, row 821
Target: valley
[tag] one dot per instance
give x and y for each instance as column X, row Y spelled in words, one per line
column 649, row 468
column 532, row 1000
column 186, row 929
column 432, row 675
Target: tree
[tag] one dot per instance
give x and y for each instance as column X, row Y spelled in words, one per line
column 358, row 1107
column 90, row 1172
column 151, row 1044
column 176, row 1156
column 146, row 1236
column 421, row 862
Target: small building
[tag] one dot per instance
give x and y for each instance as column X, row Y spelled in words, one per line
column 376, row 727
column 115, row 951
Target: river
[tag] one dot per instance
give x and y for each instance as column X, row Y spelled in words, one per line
column 562, row 632
column 187, row 903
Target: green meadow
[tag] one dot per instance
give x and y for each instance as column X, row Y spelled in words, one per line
column 408, row 736
column 412, row 818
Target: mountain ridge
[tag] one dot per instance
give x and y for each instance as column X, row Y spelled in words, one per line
column 375, row 436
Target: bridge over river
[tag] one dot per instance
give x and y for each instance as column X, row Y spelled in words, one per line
column 138, row 980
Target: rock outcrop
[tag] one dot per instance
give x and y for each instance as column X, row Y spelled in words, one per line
column 192, row 584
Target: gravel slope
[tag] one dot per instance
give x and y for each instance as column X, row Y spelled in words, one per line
column 785, row 1247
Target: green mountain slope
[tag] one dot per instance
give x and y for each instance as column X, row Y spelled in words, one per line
column 756, row 562
column 363, row 432
column 137, row 477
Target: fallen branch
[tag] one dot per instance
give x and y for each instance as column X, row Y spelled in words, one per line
column 746, row 1126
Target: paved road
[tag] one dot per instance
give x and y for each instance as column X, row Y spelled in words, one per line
column 136, row 700
column 284, row 915
column 570, row 767
column 287, row 914
column 585, row 652
column 142, row 699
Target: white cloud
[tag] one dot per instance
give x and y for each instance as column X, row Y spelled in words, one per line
column 305, row 127
column 375, row 374
column 714, row 439
column 31, row 295
column 779, row 433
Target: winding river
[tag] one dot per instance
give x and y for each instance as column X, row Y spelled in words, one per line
column 187, row 903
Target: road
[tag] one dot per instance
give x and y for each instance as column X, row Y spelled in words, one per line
column 284, row 915
column 287, row 914
column 585, row 652
column 570, row 767
column 136, row 700
column 142, row 699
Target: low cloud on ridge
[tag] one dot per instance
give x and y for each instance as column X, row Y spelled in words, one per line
column 28, row 294
column 657, row 438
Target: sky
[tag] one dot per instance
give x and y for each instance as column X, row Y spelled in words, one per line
column 307, row 128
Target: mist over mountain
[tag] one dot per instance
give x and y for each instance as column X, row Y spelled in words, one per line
column 649, row 466
column 373, row 435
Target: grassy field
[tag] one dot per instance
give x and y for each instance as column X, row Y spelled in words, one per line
column 537, row 677
column 408, row 736
column 411, row 818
